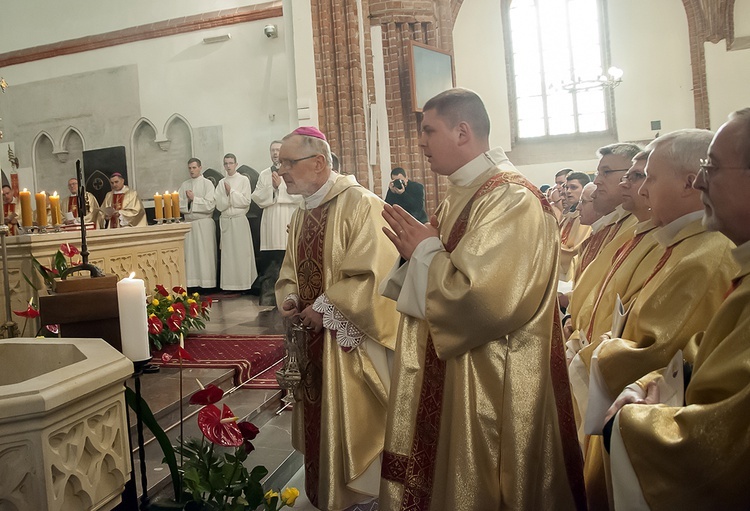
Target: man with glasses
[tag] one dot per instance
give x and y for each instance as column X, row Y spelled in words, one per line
column 699, row 454
column 685, row 281
column 572, row 232
column 237, row 256
column 336, row 257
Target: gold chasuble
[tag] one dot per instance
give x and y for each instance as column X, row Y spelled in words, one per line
column 92, row 209
column 129, row 207
column 680, row 295
column 11, row 211
column 339, row 249
column 572, row 236
column 697, row 456
column 480, row 415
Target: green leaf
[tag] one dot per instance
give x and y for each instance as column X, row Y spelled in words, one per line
column 254, row 494
column 150, row 421
column 217, row 479
column 28, row 281
column 60, row 263
column 258, row 473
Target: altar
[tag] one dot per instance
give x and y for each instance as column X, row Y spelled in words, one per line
column 156, row 253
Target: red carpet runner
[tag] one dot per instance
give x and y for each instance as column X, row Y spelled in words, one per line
column 253, row 357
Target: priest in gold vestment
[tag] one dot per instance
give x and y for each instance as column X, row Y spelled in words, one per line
column 336, row 256
column 697, row 456
column 572, row 232
column 480, row 414
column 682, row 289
column 71, row 206
column 121, row 207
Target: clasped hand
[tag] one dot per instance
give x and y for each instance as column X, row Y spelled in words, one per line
column 406, row 232
column 308, row 317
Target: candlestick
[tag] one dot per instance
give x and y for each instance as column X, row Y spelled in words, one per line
column 167, row 205
column 158, row 207
column 175, row 204
column 41, row 209
column 54, row 204
column 27, row 217
column 131, row 302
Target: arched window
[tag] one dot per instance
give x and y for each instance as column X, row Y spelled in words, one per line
column 556, row 48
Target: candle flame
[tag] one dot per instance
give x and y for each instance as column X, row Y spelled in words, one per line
column 166, row 193
column 55, row 194
column 25, row 190
column 132, row 275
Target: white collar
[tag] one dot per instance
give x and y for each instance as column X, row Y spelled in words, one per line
column 314, row 200
column 741, row 254
column 667, row 234
column 465, row 175
column 607, row 219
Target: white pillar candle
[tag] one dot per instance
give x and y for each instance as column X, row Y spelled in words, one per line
column 131, row 302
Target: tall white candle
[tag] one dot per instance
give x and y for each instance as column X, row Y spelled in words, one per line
column 131, row 302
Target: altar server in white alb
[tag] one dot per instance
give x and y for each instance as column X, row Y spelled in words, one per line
column 233, row 200
column 197, row 203
column 278, row 208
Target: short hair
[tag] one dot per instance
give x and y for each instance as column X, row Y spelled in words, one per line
column 398, row 170
column 230, row 155
column 684, row 148
column 581, row 177
column 458, row 105
column 335, row 163
column 6, row 186
column 743, row 141
column 619, row 149
column 318, row 145
column 642, row 155
column 274, row 142
column 196, row 160
column 544, row 188
column 563, row 172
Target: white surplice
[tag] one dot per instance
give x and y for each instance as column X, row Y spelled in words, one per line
column 278, row 208
column 238, row 270
column 200, row 242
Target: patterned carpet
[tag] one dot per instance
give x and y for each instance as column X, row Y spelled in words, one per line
column 254, row 358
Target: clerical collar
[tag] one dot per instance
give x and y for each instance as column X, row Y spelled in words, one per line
column 314, row 200
column 645, row 226
column 465, row 175
column 607, row 219
column 741, row 254
column 666, row 234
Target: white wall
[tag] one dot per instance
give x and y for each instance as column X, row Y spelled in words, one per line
column 728, row 75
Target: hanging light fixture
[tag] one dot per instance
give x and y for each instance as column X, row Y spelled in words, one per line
column 612, row 79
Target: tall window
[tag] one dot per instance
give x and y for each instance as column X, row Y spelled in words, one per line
column 556, row 43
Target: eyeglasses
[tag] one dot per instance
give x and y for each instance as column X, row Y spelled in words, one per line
column 607, row 172
column 632, row 177
column 585, row 201
column 708, row 168
column 288, row 164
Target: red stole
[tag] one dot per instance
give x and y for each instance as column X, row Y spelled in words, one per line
column 566, row 230
column 117, row 201
column 8, row 209
column 310, row 257
column 73, row 205
column 416, row 471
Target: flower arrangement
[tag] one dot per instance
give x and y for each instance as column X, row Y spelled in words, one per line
column 172, row 315
column 61, row 261
column 215, row 478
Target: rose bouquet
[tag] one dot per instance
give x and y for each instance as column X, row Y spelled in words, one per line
column 173, row 314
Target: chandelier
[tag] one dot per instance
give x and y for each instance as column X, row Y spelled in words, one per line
column 612, row 79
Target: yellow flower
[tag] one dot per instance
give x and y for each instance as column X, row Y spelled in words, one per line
column 190, row 300
column 170, row 299
column 270, row 494
column 152, row 315
column 155, row 302
column 195, row 295
column 170, row 308
column 184, row 294
column 289, row 495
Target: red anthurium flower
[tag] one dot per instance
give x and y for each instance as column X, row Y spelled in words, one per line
column 155, row 325
column 179, row 309
column 179, row 290
column 55, row 329
column 69, row 250
column 183, row 354
column 208, row 396
column 220, row 427
column 30, row 312
column 51, row 270
column 174, row 322
column 162, row 290
column 166, row 357
column 209, row 301
column 195, row 309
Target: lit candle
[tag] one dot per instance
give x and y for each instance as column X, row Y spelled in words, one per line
column 131, row 302
column 27, row 217
column 41, row 209
column 54, row 204
column 167, row 205
column 158, row 206
column 175, row 204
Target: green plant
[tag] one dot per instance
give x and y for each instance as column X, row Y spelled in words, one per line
column 172, row 315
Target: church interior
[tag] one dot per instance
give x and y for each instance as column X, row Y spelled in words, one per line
column 161, row 82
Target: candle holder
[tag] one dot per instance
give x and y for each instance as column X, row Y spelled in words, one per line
column 160, row 221
column 31, row 229
column 293, row 372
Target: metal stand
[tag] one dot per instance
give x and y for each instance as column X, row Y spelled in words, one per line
column 139, row 427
